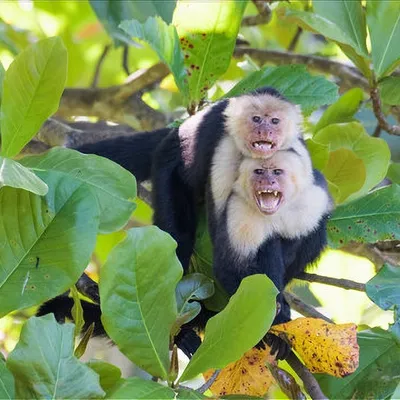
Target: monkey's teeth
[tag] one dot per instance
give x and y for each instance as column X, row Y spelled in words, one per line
column 275, row 193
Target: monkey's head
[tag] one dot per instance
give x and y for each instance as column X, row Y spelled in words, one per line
column 262, row 123
column 269, row 184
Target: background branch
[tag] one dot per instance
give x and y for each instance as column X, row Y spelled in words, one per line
column 326, row 280
column 263, row 16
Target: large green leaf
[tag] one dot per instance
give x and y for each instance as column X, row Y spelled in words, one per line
column 241, row 325
column 367, row 220
column 394, row 173
column 383, row 18
column 349, row 17
column 207, row 34
column 192, row 287
column 137, row 388
column 109, row 374
column 113, row 186
column 390, row 90
column 342, row 110
column 319, row 153
column 45, row 242
column 44, row 365
column 378, row 373
column 383, row 288
column 374, row 152
column 7, row 389
column 2, row 74
column 137, row 290
column 164, row 40
column 32, row 89
column 190, row 394
column 112, row 13
column 294, row 82
column 13, row 174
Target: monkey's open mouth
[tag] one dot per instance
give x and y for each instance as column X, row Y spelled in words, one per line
column 268, row 200
column 263, row 145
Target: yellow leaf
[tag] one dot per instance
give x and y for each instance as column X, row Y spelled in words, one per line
column 247, row 376
column 324, row 347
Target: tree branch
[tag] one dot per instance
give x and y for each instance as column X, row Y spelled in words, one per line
column 209, row 383
column 349, row 76
column 121, row 103
column 304, row 309
column 310, row 383
column 326, row 280
column 263, row 16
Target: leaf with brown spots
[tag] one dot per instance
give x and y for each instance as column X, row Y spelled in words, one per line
column 324, row 347
column 247, row 376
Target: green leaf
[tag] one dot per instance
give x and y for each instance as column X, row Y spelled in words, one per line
column 189, row 394
column 383, row 18
column 342, row 110
column 44, row 366
column 349, row 17
column 137, row 388
column 383, row 288
column 113, row 186
column 394, row 173
column 2, row 74
column 346, row 172
column 137, row 290
column 7, row 390
column 192, row 287
column 164, row 40
column 390, row 90
column 112, row 13
column 208, row 37
column 109, row 374
column 319, row 153
column 77, row 311
column 294, row 82
column 377, row 375
column 32, row 89
column 367, row 220
column 13, row 174
column 66, row 220
column 82, row 345
column 241, row 325
column 374, row 152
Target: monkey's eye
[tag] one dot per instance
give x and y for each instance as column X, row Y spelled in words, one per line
column 275, row 121
column 277, row 171
column 258, row 171
column 256, row 119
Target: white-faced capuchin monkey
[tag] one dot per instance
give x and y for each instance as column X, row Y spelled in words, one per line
column 179, row 160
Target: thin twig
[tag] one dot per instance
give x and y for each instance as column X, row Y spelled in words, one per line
column 98, row 66
column 125, row 55
column 295, row 40
column 208, row 384
column 144, row 194
column 377, row 107
column 263, row 16
column 377, row 131
column 310, row 383
column 327, row 280
column 303, row 308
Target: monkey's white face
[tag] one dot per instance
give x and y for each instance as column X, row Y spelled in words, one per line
column 262, row 124
column 270, row 184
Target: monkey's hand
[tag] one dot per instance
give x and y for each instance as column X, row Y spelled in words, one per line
column 279, row 347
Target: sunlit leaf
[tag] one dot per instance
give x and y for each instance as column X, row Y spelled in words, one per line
column 77, row 311
column 342, row 110
column 378, row 372
column 319, row 154
column 109, row 374
column 383, row 18
column 65, row 220
column 367, row 220
column 2, row 74
column 13, row 174
column 374, row 152
column 208, row 36
column 164, row 40
column 323, row 347
column 137, row 293
column 44, row 365
column 247, row 376
column 383, row 288
column 113, row 186
column 32, row 89
column 137, row 388
column 394, row 172
column 390, row 90
column 294, row 82
column 245, row 320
